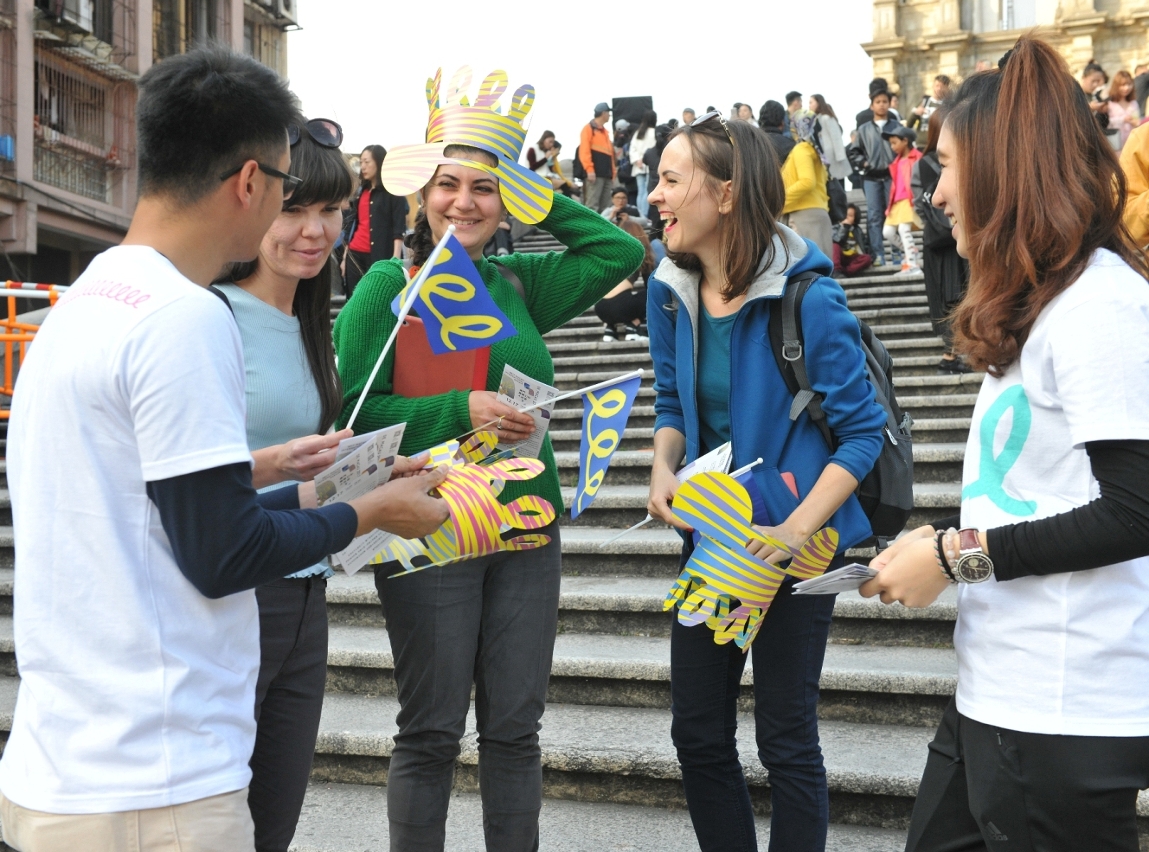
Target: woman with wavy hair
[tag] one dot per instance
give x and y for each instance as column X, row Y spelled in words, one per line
column 488, row 621
column 729, row 263
column 1046, row 742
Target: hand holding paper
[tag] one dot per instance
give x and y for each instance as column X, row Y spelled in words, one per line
column 403, row 506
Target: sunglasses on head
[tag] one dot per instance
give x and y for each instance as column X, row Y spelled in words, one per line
column 721, row 120
column 323, row 131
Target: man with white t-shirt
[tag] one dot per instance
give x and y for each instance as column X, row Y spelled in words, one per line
column 138, row 533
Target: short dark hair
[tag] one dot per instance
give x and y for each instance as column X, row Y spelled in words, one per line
column 879, row 93
column 793, row 96
column 204, row 112
column 772, row 114
column 878, row 84
column 617, row 190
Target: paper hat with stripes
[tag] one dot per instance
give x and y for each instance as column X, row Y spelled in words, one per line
column 454, row 120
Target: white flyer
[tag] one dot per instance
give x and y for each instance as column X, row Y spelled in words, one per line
column 520, row 390
column 844, row 579
column 716, row 461
column 363, row 463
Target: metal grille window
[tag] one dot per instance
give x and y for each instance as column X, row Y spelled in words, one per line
column 181, row 25
column 7, row 85
column 83, row 129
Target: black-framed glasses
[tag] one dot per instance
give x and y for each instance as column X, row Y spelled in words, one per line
column 721, row 120
column 290, row 182
column 323, row 131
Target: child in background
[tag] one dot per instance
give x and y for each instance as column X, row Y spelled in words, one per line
column 901, row 219
column 851, row 252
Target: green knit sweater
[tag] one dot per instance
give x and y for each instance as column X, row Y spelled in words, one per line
column 559, row 287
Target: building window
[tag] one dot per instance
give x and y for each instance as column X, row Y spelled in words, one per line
column 182, row 25
column 7, row 85
column 83, row 136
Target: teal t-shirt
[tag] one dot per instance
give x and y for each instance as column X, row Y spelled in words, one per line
column 282, row 400
column 713, row 383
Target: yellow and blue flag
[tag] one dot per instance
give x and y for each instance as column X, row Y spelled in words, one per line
column 457, row 311
column 605, row 412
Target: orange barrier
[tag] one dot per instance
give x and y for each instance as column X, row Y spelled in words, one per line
column 19, row 334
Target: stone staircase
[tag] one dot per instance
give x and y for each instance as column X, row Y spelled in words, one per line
column 611, row 778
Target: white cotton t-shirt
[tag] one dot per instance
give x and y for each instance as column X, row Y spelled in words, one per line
column 1066, row 653
column 136, row 690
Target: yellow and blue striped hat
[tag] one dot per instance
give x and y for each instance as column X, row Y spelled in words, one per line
column 454, row 120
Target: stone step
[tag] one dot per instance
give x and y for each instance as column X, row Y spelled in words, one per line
column 621, row 755
column 860, row 683
column 860, row 303
column 932, row 463
column 630, row 605
column 620, row 506
column 911, row 312
column 927, row 430
column 624, row 755
column 353, row 817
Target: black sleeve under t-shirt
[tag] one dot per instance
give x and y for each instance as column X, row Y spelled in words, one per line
column 1113, row 528
column 227, row 538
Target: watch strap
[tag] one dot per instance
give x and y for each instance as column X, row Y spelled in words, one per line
column 968, row 540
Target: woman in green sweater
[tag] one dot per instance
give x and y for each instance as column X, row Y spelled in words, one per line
column 492, row 620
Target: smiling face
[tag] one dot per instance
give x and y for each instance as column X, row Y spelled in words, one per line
column 946, row 194
column 691, row 210
column 300, row 240
column 466, row 198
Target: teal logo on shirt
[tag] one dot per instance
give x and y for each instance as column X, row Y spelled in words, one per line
column 992, row 469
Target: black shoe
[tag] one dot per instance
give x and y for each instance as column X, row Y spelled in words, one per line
column 953, row 365
column 609, row 335
column 637, row 333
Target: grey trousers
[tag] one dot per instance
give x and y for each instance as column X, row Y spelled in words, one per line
column 596, row 194
column 813, row 224
column 491, row 622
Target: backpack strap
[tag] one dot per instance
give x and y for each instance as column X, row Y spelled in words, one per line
column 213, row 289
column 510, row 275
column 789, row 351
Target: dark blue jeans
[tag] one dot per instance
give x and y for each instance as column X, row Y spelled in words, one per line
column 704, row 684
column 877, row 199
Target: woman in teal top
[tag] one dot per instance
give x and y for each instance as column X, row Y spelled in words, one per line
column 282, row 303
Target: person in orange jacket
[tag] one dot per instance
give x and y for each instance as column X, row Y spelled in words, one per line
column 596, row 153
column 1135, row 164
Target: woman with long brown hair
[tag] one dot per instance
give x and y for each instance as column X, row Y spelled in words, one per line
column 717, row 381
column 1046, row 742
column 1124, row 114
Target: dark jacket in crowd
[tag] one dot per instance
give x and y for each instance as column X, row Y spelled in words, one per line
column 1141, row 89
column 870, row 154
column 782, row 142
column 388, row 222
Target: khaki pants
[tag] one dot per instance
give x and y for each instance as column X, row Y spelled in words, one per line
column 216, row 824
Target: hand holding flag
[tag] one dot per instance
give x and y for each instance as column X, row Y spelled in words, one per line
column 457, row 311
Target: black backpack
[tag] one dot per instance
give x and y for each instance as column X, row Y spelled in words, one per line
column 835, row 191
column 887, row 491
column 577, row 168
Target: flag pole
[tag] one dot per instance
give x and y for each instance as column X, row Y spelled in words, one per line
column 420, row 280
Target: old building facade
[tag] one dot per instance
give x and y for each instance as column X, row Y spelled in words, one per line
column 914, row 40
column 68, row 71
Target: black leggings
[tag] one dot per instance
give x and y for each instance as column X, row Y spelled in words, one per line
column 988, row 788
column 623, row 309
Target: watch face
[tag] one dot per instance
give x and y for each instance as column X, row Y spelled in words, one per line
column 974, row 568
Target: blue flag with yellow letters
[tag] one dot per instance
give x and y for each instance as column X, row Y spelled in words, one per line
column 457, row 311
column 605, row 412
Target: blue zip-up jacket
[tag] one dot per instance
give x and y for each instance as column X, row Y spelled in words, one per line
column 759, row 399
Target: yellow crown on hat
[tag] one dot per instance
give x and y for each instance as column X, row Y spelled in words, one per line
column 454, row 119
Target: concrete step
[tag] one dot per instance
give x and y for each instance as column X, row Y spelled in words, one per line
column 353, row 817
column 624, row 755
column 632, row 605
column 912, row 312
column 932, row 463
column 860, row 683
column 620, row 506
column 860, row 303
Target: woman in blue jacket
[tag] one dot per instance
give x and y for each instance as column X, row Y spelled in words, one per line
column 720, row 194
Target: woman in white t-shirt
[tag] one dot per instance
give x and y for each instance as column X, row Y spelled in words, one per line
column 1047, row 741
column 640, row 143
